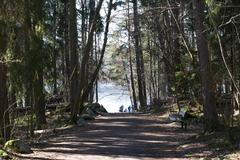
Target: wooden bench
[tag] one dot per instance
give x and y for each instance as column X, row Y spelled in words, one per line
column 182, row 116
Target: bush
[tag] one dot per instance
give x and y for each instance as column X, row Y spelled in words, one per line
column 4, row 155
column 17, row 146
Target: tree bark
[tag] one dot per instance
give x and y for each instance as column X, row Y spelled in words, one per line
column 74, row 65
column 89, row 87
column 55, row 51
column 4, row 114
column 38, row 99
column 176, row 33
column 37, row 50
column 66, row 54
column 29, row 83
column 139, row 58
column 85, row 59
column 209, row 107
column 134, row 98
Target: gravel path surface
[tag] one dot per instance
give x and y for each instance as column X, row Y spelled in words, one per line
column 121, row 137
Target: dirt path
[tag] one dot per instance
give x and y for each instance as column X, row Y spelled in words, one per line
column 121, row 137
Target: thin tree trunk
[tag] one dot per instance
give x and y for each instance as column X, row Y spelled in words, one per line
column 176, row 34
column 4, row 114
column 89, row 87
column 134, row 98
column 55, row 50
column 96, row 59
column 90, row 65
column 74, row 67
column 132, row 80
column 139, row 58
column 66, row 54
column 85, row 59
column 28, row 85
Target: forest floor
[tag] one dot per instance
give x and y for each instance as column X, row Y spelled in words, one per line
column 125, row 136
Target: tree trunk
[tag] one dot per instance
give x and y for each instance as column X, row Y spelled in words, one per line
column 74, row 67
column 38, row 100
column 96, row 59
column 85, row 59
column 139, row 58
column 90, row 65
column 176, row 45
column 4, row 114
column 37, row 79
column 55, row 51
column 29, row 84
column 209, row 107
column 66, row 54
column 89, row 87
column 134, row 98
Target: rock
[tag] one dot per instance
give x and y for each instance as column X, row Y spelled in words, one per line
column 81, row 122
column 95, row 107
column 102, row 109
column 87, row 117
column 17, row 146
column 3, row 155
column 90, row 112
column 92, row 106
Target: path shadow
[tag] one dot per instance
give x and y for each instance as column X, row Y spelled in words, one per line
column 123, row 135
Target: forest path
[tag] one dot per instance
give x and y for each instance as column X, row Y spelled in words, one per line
column 122, row 137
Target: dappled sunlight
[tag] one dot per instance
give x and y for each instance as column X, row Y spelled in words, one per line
column 96, row 131
column 89, row 157
column 114, row 124
column 119, row 79
column 153, row 134
column 123, row 136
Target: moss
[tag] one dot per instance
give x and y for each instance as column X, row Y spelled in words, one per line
column 95, row 107
column 221, row 142
column 24, row 120
column 4, row 155
column 17, row 146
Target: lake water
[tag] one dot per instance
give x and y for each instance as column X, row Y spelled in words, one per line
column 112, row 96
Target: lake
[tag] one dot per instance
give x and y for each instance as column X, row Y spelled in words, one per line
column 112, row 96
